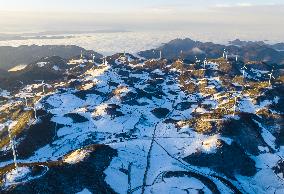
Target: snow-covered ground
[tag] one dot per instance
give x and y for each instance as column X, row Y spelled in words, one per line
column 149, row 146
column 18, row 67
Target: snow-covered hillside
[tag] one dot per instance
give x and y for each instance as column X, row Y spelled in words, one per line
column 138, row 125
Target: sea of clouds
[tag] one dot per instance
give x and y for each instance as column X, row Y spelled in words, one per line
column 132, row 42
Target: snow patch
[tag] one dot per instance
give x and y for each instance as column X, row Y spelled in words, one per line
column 84, row 191
column 56, row 68
column 15, row 175
column 42, row 64
column 18, row 68
column 100, row 110
column 210, row 143
column 76, row 156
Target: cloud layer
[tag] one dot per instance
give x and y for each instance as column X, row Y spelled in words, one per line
column 232, row 17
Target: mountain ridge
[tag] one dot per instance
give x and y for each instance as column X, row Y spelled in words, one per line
column 12, row 56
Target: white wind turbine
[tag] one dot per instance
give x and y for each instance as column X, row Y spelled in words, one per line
column 243, row 70
column 25, row 96
column 35, row 112
column 26, row 101
column 160, row 54
column 225, row 54
column 104, row 60
column 13, row 149
column 235, row 103
column 180, row 59
column 43, row 85
column 205, row 63
column 270, row 77
column 93, row 58
column 236, row 58
column 181, row 53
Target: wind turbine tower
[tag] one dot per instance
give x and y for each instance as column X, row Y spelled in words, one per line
column 35, row 111
column 26, row 100
column 104, row 58
column 13, row 149
column 93, row 58
column 235, row 103
column 181, row 54
column 224, row 53
column 205, row 63
column 270, row 77
column 243, row 70
column 43, row 85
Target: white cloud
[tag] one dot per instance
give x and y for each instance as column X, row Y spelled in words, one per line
column 244, row 4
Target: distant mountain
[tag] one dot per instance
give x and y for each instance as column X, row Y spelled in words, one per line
column 47, row 68
column 247, row 51
column 241, row 43
column 279, row 46
column 12, row 56
column 19, row 37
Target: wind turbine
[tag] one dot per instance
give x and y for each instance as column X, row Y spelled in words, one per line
column 225, row 54
column 236, row 58
column 25, row 96
column 205, row 62
column 235, row 103
column 81, row 54
column 35, row 112
column 93, row 58
column 243, row 70
column 104, row 60
column 181, row 54
column 43, row 84
column 270, row 77
column 160, row 54
column 26, row 100
column 13, row 149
